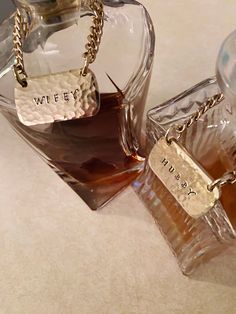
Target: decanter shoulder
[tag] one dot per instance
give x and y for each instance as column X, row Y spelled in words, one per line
column 6, row 45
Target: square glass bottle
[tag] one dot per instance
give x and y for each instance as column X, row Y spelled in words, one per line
column 211, row 142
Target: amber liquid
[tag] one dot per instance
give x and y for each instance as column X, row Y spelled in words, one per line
column 191, row 240
column 87, row 153
column 228, row 193
column 227, row 199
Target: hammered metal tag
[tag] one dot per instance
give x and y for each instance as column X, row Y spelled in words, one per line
column 57, row 97
column 183, row 177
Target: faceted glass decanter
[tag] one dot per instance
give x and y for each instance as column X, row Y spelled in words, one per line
column 97, row 156
column 211, row 142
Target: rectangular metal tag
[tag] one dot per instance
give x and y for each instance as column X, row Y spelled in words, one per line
column 183, row 177
column 57, row 97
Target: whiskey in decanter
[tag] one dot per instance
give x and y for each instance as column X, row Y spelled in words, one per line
column 209, row 139
column 97, row 155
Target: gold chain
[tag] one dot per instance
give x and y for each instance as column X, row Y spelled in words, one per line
column 94, row 39
column 178, row 130
column 19, row 33
column 175, row 132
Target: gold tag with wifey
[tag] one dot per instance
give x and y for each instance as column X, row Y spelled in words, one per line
column 183, row 177
column 57, row 97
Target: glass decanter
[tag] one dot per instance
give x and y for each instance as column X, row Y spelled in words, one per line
column 211, row 142
column 97, row 156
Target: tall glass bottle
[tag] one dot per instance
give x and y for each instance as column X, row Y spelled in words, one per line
column 100, row 155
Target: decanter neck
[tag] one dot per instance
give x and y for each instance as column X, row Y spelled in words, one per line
column 51, row 11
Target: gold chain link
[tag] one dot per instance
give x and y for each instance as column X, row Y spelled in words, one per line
column 175, row 132
column 94, row 39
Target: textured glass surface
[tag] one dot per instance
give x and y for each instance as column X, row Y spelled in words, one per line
column 212, row 142
column 97, row 156
column 6, row 44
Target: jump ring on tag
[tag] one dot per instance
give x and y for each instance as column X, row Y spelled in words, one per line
column 229, row 177
column 170, row 139
column 21, row 80
column 214, row 184
column 86, row 67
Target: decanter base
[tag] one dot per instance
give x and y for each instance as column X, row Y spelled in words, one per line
column 191, row 240
column 88, row 154
column 98, row 193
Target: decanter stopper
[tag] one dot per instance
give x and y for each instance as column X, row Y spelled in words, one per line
column 226, row 68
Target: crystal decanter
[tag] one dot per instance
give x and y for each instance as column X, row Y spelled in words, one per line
column 204, row 120
column 100, row 153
